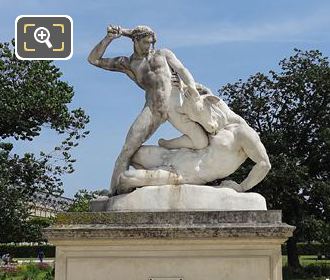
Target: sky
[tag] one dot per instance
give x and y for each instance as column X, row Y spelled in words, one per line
column 218, row 41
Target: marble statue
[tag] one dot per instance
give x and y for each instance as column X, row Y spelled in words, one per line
column 152, row 70
column 231, row 142
column 214, row 143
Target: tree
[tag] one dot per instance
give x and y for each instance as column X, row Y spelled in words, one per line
column 32, row 96
column 290, row 110
column 81, row 200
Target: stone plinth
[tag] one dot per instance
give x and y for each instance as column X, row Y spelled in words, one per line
column 196, row 245
column 181, row 198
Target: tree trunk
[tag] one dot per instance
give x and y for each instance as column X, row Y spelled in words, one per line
column 293, row 258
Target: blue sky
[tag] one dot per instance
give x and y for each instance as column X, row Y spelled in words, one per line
column 218, row 41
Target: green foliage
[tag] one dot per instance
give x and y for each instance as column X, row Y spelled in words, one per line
column 310, row 249
column 35, row 226
column 311, row 269
column 290, row 109
column 81, row 200
column 32, row 97
column 30, row 271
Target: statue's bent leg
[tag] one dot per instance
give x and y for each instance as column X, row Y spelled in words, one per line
column 149, row 157
column 183, row 141
column 194, row 136
column 131, row 179
column 143, row 127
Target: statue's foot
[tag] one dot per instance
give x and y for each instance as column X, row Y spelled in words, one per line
column 128, row 181
column 168, row 144
column 120, row 167
column 124, row 180
column 129, row 178
column 163, row 143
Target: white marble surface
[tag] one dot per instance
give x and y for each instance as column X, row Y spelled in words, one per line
column 186, row 197
column 215, row 141
column 231, row 142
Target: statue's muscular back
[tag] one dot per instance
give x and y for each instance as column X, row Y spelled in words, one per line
column 153, row 74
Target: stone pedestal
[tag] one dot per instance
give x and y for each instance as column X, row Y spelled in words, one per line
column 194, row 245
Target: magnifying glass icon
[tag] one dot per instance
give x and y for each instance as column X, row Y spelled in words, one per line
column 41, row 35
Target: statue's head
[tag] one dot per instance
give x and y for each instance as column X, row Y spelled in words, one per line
column 210, row 111
column 205, row 112
column 144, row 39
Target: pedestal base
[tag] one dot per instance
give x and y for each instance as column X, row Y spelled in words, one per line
column 233, row 245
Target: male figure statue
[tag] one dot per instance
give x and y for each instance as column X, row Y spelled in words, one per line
column 152, row 70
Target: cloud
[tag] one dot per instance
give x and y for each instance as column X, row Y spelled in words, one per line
column 304, row 29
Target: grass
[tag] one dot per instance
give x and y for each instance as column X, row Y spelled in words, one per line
column 306, row 260
column 312, row 269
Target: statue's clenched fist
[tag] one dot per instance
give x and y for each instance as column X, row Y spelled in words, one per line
column 114, row 31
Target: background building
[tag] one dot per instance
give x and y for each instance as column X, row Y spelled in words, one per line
column 47, row 206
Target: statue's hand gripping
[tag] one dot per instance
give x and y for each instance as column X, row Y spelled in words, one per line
column 114, row 31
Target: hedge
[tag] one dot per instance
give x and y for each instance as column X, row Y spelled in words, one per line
column 309, row 249
column 27, row 251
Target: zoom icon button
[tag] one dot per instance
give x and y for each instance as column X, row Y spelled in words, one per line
column 39, row 36
column 43, row 37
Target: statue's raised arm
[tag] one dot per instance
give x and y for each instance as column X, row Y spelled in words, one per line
column 183, row 72
column 120, row 63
